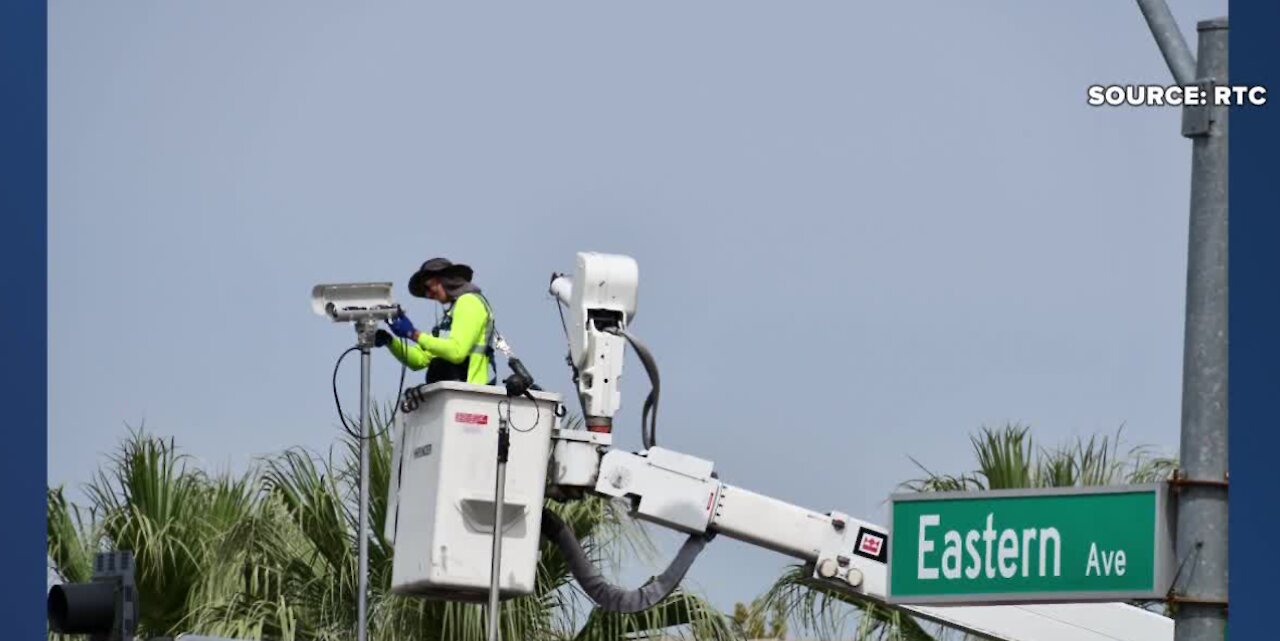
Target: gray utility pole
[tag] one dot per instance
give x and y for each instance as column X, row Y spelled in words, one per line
column 1201, row 592
column 1200, row 589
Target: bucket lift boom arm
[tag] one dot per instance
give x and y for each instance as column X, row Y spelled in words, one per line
column 683, row 493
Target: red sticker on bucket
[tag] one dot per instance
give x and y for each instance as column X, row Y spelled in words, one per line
column 472, row 419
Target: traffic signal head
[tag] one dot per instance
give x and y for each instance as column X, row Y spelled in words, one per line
column 106, row 608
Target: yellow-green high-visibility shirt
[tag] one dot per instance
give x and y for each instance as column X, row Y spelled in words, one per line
column 467, row 339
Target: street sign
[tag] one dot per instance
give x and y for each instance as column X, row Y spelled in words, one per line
column 1031, row 546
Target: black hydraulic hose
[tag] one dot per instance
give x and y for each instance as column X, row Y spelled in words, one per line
column 607, row 596
column 649, row 412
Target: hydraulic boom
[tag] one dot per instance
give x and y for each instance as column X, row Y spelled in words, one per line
column 682, row 492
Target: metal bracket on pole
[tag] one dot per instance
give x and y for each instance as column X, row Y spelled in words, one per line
column 1174, row 599
column 366, row 329
column 1197, row 120
column 1180, row 480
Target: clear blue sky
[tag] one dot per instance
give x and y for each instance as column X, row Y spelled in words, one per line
column 864, row 229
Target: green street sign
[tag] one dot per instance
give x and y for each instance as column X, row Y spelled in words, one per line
column 1031, row 546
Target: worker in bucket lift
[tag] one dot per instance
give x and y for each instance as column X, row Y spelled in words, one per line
column 460, row 346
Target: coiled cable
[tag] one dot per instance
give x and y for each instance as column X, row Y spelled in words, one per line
column 649, row 412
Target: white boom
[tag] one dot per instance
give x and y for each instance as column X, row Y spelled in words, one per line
column 681, row 492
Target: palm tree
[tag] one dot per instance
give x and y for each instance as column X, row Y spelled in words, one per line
column 270, row 554
column 1007, row 459
column 760, row 620
column 148, row 502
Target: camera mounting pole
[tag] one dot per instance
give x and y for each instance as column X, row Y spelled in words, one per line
column 365, row 305
column 365, row 330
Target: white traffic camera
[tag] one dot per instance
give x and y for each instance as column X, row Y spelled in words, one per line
column 345, row 302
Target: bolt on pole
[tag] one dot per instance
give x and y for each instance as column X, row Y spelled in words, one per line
column 1201, row 588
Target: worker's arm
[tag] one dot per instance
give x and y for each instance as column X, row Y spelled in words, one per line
column 413, row 356
column 469, row 320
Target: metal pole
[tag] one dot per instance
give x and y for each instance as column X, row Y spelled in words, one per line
column 1200, row 593
column 1174, row 47
column 364, row 332
column 499, row 494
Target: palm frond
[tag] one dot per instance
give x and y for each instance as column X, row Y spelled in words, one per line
column 72, row 540
column 1004, row 456
column 829, row 612
column 934, row 482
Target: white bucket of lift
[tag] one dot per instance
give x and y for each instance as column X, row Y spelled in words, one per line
column 440, row 504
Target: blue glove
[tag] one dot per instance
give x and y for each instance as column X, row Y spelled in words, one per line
column 402, row 327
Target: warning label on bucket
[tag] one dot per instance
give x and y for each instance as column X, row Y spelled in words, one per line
column 471, row 419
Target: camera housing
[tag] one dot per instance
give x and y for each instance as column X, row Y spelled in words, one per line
column 347, row 302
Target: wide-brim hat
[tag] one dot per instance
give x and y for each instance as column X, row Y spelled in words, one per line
column 436, row 268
